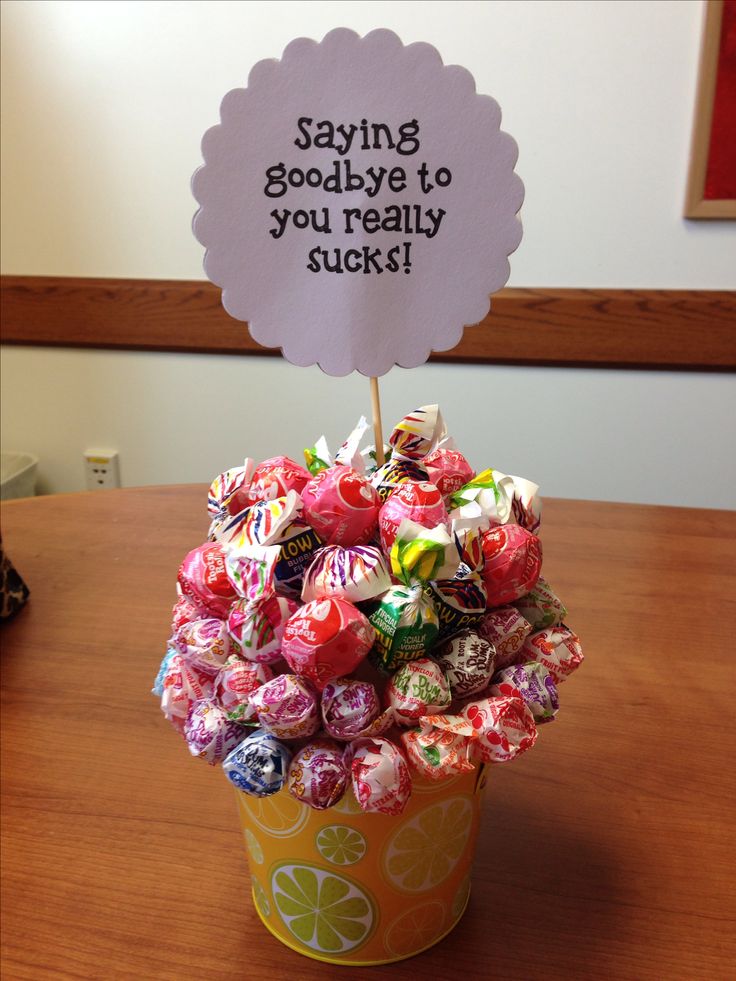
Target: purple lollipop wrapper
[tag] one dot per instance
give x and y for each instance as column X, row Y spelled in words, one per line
column 286, row 707
column 318, row 775
column 535, row 684
column 209, row 733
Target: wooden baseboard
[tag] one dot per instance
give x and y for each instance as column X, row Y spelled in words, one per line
column 627, row 328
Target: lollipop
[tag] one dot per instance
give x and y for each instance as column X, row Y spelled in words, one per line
column 412, row 440
column 286, row 707
column 420, row 502
column 209, row 733
column 436, row 754
column 535, row 685
column 448, row 469
column 325, row 639
column 381, row 780
column 318, row 775
column 341, row 506
column 257, row 619
column 276, row 477
column 204, row 581
column 258, row 765
column 507, row 630
column 557, row 648
column 228, row 502
column 467, row 660
column 513, row 561
column 280, row 522
column 357, row 573
column 541, row 607
column 205, row 644
column 179, row 686
column 418, row 689
column 235, row 682
column 349, row 708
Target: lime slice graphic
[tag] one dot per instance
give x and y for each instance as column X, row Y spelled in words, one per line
column 414, row 930
column 340, row 844
column 260, row 898
column 424, row 850
column 255, row 850
column 348, row 804
column 280, row 815
column 325, row 912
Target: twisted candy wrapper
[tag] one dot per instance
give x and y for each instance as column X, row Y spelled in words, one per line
column 277, row 476
column 228, row 501
column 417, row 689
column 257, row 619
column 526, row 506
column 341, row 506
column 279, row 522
column 318, row 457
column 318, row 775
column 181, row 685
column 416, row 501
column 351, row 709
column 498, row 728
column 185, row 611
column 158, row 684
column 204, row 581
column 412, row 440
column 542, row 607
column 406, row 622
column 437, row 754
column 258, row 765
column 286, row 707
column 326, row 639
column 513, row 561
column 460, row 602
column 507, row 630
column 356, row 574
column 468, row 662
column 381, row 779
column 535, row 685
column 205, row 644
column 447, row 468
column 557, row 648
column 209, row 733
column 490, row 493
column 235, row 682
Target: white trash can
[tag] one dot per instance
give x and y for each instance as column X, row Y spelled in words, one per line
column 17, row 475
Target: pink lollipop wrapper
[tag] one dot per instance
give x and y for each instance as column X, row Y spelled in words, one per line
column 499, row 728
column 286, row 707
column 448, row 469
column 557, row 648
column 507, row 630
column 417, row 689
column 380, row 775
column 209, row 733
column 318, row 775
column 468, row 662
column 280, row 522
column 257, row 620
column 205, row 644
column 185, row 611
column 204, row 581
column 420, row 502
column 341, row 506
column 513, row 562
column 235, row 682
column 182, row 686
column 277, row 476
column 349, row 707
column 326, row 639
column 535, row 685
column 356, row 574
column 437, row 754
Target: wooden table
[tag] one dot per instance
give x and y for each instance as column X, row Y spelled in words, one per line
column 607, row 852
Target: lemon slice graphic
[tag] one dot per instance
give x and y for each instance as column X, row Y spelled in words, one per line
column 254, row 849
column 280, row 815
column 340, row 844
column 260, row 898
column 424, row 850
column 326, row 912
column 415, row 929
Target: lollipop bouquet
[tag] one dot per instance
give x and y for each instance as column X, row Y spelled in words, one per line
column 353, row 624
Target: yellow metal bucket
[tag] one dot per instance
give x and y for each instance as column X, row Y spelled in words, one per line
column 362, row 889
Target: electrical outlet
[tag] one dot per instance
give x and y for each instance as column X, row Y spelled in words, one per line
column 102, row 469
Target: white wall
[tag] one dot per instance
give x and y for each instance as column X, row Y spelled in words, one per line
column 104, row 105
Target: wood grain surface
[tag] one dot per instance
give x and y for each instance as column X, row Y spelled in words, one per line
column 606, row 852
column 684, row 329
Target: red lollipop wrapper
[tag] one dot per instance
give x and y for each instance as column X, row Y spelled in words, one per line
column 276, row 477
column 381, row 779
column 448, row 469
column 355, row 573
column 437, row 754
column 258, row 618
column 341, row 506
column 326, row 639
column 286, row 707
column 513, row 562
column 204, row 580
column 209, row 733
column 235, row 682
column 280, row 522
column 417, row 689
column 182, row 685
column 318, row 775
column 557, row 648
column 205, row 644
column 507, row 630
column 420, row 502
column 185, row 611
column 499, row 728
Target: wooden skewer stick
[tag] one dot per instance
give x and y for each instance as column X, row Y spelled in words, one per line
column 377, row 428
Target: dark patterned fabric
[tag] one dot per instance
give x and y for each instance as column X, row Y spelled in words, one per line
column 13, row 591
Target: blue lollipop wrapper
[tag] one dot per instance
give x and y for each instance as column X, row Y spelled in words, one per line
column 259, row 765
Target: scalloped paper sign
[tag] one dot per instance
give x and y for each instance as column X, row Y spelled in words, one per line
column 358, row 203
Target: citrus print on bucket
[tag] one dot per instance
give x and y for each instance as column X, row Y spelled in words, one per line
column 357, row 889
